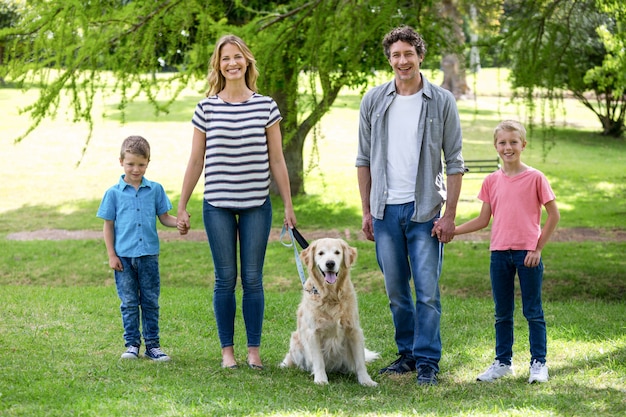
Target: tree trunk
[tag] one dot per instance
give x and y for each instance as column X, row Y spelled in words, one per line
column 454, row 76
column 295, row 164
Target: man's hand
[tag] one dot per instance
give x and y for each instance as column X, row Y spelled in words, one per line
column 443, row 229
column 367, row 227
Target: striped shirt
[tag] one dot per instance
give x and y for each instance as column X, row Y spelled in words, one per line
column 236, row 159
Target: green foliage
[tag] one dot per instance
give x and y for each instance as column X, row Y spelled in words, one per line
column 555, row 46
column 80, row 48
column 337, row 45
column 139, row 48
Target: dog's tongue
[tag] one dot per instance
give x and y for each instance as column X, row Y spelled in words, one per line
column 330, row 277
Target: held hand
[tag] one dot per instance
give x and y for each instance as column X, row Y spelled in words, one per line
column 183, row 223
column 444, row 230
column 368, row 227
column 436, row 230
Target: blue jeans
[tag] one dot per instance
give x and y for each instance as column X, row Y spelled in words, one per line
column 252, row 227
column 504, row 265
column 406, row 250
column 139, row 287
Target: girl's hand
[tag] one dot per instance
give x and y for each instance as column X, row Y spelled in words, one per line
column 533, row 257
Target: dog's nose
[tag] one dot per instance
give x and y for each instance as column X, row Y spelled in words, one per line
column 330, row 265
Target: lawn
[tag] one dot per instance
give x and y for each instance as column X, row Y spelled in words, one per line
column 60, row 327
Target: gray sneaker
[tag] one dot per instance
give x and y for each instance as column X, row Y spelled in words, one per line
column 132, row 352
column 495, row 371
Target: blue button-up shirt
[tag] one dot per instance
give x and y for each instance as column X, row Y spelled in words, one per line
column 439, row 130
column 135, row 212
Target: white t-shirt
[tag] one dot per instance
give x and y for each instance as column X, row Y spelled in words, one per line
column 403, row 150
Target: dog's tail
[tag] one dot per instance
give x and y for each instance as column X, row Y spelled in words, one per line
column 371, row 356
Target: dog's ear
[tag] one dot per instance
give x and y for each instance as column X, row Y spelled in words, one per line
column 349, row 254
column 307, row 254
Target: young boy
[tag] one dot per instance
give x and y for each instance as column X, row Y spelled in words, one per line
column 129, row 210
column 514, row 195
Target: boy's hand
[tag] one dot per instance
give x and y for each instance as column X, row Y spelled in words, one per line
column 115, row 263
column 182, row 228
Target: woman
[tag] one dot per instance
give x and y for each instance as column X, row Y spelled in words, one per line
column 237, row 142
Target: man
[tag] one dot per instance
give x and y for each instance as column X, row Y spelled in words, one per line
column 404, row 127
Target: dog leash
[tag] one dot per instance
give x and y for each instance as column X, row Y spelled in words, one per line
column 294, row 236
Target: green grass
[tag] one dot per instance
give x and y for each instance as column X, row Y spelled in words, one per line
column 60, row 327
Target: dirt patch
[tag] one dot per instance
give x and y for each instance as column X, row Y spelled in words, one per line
column 578, row 234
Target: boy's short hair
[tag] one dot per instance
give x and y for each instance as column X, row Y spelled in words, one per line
column 510, row 126
column 405, row 34
column 135, row 145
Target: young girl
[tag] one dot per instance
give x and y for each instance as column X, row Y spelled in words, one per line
column 237, row 143
column 514, row 195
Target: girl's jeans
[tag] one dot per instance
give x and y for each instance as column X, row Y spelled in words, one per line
column 138, row 287
column 504, row 265
column 252, row 227
column 405, row 250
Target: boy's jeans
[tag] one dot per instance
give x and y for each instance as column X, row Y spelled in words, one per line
column 138, row 287
column 504, row 265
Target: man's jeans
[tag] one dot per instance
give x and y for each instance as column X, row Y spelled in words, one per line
column 405, row 249
column 138, row 287
column 223, row 227
column 504, row 264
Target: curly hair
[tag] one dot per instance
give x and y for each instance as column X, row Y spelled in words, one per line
column 405, row 34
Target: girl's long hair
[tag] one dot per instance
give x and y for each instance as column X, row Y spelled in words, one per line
column 216, row 80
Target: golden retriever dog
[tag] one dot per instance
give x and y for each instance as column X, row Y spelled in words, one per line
column 329, row 337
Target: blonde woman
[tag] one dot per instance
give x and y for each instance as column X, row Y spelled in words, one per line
column 237, row 143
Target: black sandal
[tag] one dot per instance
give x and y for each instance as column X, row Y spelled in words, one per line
column 255, row 366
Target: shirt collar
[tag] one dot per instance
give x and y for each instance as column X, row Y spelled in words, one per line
column 123, row 184
column 426, row 87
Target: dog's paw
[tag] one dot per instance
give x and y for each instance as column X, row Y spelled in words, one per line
column 321, row 380
column 287, row 362
column 368, row 382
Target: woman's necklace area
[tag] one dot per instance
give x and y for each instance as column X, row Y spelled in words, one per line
column 240, row 98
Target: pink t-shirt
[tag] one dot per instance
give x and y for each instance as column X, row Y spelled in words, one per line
column 516, row 204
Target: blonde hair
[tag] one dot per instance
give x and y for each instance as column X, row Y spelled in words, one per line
column 510, row 126
column 216, row 80
column 135, row 145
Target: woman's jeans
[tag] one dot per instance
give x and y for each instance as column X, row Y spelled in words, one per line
column 252, row 227
column 138, row 287
column 406, row 249
column 504, row 265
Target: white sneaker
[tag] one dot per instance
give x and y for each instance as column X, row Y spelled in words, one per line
column 538, row 372
column 495, row 371
column 132, row 352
